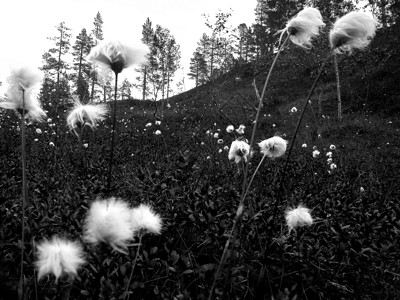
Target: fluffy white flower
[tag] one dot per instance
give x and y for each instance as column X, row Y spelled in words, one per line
column 158, row 132
column 157, row 122
column 332, row 147
column 333, row 166
column 216, row 135
column 239, row 150
column 20, row 93
column 316, row 153
column 304, row 27
column 293, row 110
column 38, row 131
column 230, row 128
column 109, row 221
column 298, row 217
column 144, row 219
column 88, row 114
column 273, row 147
column 58, row 257
column 241, row 129
column 115, row 56
column 220, row 141
column 304, row 146
column 148, row 125
column 329, row 154
column 51, row 144
column 352, row 31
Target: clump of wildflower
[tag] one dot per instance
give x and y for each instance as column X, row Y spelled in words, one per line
column 273, row 147
column 354, row 30
column 109, row 221
column 58, row 257
column 239, row 151
column 304, row 27
column 298, row 217
column 143, row 219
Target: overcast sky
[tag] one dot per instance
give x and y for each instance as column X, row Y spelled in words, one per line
column 26, row 24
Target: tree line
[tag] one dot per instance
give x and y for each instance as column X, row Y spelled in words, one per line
column 223, row 47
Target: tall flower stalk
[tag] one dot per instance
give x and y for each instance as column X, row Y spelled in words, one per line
column 21, row 98
column 354, row 30
column 114, row 56
column 300, row 30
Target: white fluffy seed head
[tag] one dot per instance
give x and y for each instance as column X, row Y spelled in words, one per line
column 273, row 147
column 58, row 257
column 298, row 217
column 354, row 30
column 109, row 221
column 239, row 150
column 143, row 219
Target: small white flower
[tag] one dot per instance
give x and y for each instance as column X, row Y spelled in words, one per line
column 169, row 105
column 158, row 132
column 35, row 140
column 144, row 219
column 298, row 217
column 304, row 146
column 38, row 131
column 148, row 125
column 220, row 141
column 49, row 120
column 58, row 257
column 273, row 147
column 239, row 150
column 293, row 110
column 315, row 153
column 226, row 148
column 241, row 129
column 329, row 160
column 158, row 122
column 329, row 154
column 273, row 125
column 51, row 144
column 216, row 135
column 362, row 190
column 109, row 221
column 333, row 166
column 332, row 147
column 86, row 145
column 220, row 151
column 230, row 128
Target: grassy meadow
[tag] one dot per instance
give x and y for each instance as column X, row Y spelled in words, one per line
column 351, row 251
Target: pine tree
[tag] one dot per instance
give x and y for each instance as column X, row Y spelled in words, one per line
column 55, row 65
column 81, row 49
column 97, row 33
column 147, row 39
column 198, row 69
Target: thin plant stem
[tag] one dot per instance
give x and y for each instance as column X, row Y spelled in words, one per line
column 338, row 86
column 254, row 174
column 133, row 266
column 294, row 138
column 240, row 209
column 24, row 192
column 114, row 122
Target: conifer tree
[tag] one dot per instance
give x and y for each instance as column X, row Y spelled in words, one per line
column 97, row 36
column 81, row 49
column 54, row 65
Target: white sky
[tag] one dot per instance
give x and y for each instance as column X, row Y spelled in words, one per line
column 26, row 24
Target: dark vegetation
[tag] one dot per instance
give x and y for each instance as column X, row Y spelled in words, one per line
column 352, row 250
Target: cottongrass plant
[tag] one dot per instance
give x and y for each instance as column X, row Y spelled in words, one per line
column 298, row 217
column 21, row 98
column 301, row 29
column 144, row 220
column 115, row 56
column 354, row 30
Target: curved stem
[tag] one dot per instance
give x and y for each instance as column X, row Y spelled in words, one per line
column 254, row 174
column 133, row 266
column 338, row 86
column 240, row 209
column 114, row 122
column 294, row 138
